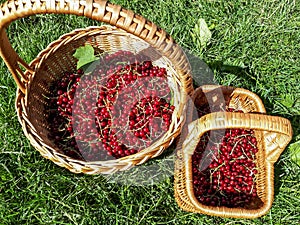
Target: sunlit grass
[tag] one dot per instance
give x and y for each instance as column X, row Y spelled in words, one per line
column 255, row 45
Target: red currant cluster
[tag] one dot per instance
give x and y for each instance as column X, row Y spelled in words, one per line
column 142, row 117
column 120, row 108
column 60, row 110
column 224, row 168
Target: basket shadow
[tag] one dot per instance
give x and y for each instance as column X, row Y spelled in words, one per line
column 295, row 121
column 201, row 72
column 243, row 72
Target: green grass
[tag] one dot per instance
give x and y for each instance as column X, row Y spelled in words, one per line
column 255, row 45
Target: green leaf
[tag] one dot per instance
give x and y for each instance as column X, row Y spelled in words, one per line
column 287, row 100
column 85, row 55
column 295, row 152
column 201, row 33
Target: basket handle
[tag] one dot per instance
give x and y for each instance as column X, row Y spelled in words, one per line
column 277, row 130
column 100, row 10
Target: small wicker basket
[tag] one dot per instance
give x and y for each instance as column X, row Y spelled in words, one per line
column 124, row 29
column 272, row 133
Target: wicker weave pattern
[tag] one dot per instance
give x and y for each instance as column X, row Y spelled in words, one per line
column 57, row 57
column 272, row 133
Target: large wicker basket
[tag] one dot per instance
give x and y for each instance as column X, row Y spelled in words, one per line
column 272, row 133
column 124, row 29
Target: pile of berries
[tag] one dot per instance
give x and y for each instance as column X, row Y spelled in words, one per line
column 119, row 108
column 225, row 168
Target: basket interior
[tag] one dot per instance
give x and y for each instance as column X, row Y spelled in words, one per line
column 58, row 58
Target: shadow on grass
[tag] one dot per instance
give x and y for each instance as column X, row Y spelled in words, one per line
column 295, row 121
column 243, row 72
